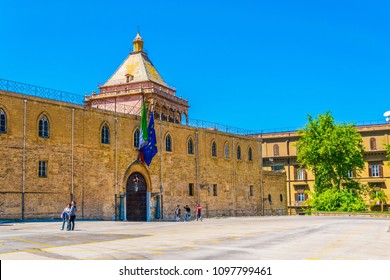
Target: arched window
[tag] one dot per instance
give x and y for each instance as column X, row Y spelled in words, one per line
column 281, row 197
column 269, row 198
column 227, row 152
column 44, row 127
column 168, row 143
column 105, row 134
column 250, row 158
column 238, row 152
column 190, row 147
column 214, row 149
column 136, row 138
column 276, row 150
column 372, row 144
column 3, row 122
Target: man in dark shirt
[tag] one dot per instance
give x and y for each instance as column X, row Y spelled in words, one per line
column 188, row 213
column 72, row 215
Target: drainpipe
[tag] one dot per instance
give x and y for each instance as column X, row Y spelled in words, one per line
column 72, row 158
column 116, row 166
column 234, row 180
column 116, row 163
column 83, row 176
column 261, row 174
column 288, row 177
column 197, row 164
column 161, row 171
column 24, row 156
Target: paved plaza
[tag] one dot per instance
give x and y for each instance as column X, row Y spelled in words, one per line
column 254, row 238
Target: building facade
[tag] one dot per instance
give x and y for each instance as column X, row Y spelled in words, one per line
column 280, row 155
column 52, row 152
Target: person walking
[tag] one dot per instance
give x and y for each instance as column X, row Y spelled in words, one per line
column 177, row 213
column 188, row 213
column 72, row 215
column 65, row 215
column 198, row 212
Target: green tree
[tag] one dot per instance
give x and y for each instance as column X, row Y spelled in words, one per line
column 346, row 200
column 378, row 197
column 330, row 151
column 387, row 147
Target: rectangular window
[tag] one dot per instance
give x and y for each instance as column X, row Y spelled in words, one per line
column 191, row 189
column 42, row 171
column 301, row 174
column 250, row 190
column 277, row 168
column 214, row 190
column 350, row 174
column 375, row 170
column 301, row 197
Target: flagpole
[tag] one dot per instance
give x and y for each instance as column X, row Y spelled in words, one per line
column 143, row 101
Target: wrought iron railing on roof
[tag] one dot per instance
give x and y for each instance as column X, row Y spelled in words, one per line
column 68, row 97
column 43, row 92
column 78, row 99
column 218, row 127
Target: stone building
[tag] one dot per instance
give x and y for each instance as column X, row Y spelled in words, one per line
column 280, row 155
column 53, row 151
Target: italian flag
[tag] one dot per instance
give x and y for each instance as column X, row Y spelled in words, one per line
column 143, row 134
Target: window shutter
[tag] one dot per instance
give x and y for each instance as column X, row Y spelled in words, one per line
column 304, row 175
column 296, row 173
column 369, row 170
column 306, row 196
column 296, row 196
column 380, row 170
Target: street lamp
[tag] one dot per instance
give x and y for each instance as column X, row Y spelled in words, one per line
column 135, row 182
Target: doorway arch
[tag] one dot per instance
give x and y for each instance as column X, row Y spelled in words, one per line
column 136, row 197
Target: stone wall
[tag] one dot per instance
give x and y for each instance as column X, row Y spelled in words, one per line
column 92, row 173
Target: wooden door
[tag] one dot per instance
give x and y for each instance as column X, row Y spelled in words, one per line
column 136, row 198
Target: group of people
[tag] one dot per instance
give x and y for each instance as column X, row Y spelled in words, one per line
column 187, row 214
column 69, row 215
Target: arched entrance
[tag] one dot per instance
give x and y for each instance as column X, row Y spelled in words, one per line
column 136, row 198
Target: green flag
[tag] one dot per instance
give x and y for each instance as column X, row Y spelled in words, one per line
column 143, row 134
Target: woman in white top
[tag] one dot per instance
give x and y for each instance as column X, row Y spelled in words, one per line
column 65, row 215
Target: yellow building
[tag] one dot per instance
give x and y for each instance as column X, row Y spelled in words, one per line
column 279, row 154
column 52, row 151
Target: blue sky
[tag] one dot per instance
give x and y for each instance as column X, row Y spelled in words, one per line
column 256, row 65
